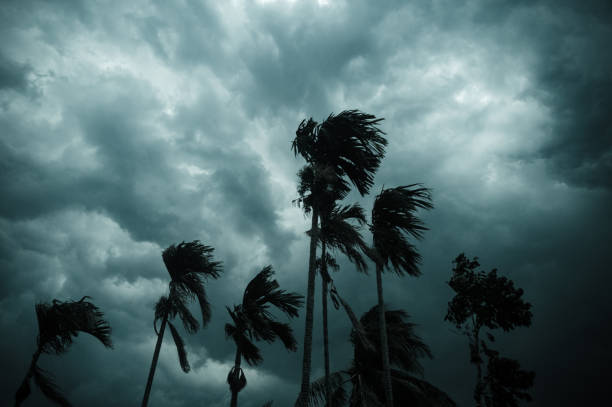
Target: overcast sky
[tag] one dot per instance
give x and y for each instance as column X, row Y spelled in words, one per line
column 128, row 126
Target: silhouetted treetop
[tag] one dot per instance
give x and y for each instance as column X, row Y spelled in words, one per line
column 490, row 299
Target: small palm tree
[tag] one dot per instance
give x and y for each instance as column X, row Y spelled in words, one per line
column 364, row 375
column 58, row 323
column 347, row 147
column 188, row 265
column 393, row 216
column 253, row 322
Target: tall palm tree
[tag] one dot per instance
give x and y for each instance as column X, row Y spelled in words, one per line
column 393, row 217
column 338, row 233
column 364, row 374
column 188, row 265
column 253, row 322
column 58, row 323
column 345, row 148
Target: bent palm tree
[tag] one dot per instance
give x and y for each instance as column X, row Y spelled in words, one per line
column 188, row 264
column 253, row 322
column 393, row 216
column 58, row 323
column 347, row 147
column 364, row 375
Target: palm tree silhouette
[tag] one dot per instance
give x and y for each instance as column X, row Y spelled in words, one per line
column 364, row 375
column 188, row 264
column 253, row 322
column 347, row 147
column 338, row 233
column 58, row 323
column 393, row 216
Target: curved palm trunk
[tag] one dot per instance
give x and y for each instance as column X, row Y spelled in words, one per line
column 384, row 346
column 160, row 337
column 234, row 401
column 29, row 374
column 306, row 363
column 324, row 284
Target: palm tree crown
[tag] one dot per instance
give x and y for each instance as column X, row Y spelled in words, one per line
column 58, row 324
column 392, row 218
column 252, row 321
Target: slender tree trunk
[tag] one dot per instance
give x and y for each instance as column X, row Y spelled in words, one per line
column 160, row 338
column 306, row 363
column 234, row 401
column 324, row 284
column 29, row 374
column 384, row 346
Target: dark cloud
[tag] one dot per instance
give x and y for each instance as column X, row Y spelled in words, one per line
column 127, row 127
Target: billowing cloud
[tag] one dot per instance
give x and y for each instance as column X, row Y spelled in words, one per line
column 127, row 127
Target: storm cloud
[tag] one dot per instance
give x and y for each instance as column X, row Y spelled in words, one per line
column 128, row 126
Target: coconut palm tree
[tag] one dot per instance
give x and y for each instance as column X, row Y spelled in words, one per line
column 345, row 148
column 253, row 322
column 364, row 374
column 58, row 323
column 188, row 265
column 393, row 217
column 338, row 234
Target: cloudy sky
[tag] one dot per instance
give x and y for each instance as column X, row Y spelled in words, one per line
column 128, row 126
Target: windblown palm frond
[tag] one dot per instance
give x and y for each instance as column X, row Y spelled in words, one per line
column 252, row 321
column 405, row 347
column 59, row 322
column 188, row 264
column 350, row 143
column 393, row 216
column 338, row 233
column 180, row 348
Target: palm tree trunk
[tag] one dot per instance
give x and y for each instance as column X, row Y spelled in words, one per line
column 29, row 374
column 160, row 337
column 306, row 363
column 324, row 284
column 384, row 346
column 234, row 401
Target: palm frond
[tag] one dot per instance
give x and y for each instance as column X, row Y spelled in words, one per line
column 59, row 322
column 261, row 290
column 338, row 233
column 360, row 332
column 393, row 217
column 190, row 286
column 247, row 349
column 317, row 394
column 284, row 332
column 47, row 386
column 180, row 348
column 191, row 257
column 350, row 143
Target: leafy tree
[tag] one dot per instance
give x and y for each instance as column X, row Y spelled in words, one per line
column 253, row 322
column 58, row 323
column 345, row 148
column 364, row 376
column 188, row 265
column 393, row 217
column 484, row 299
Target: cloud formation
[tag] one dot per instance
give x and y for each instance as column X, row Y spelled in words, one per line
column 127, row 127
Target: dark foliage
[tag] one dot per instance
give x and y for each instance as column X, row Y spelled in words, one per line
column 506, row 382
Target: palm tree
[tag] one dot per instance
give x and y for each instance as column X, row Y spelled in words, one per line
column 393, row 216
column 337, row 233
column 253, row 322
column 188, row 265
column 58, row 323
column 347, row 147
column 364, row 374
